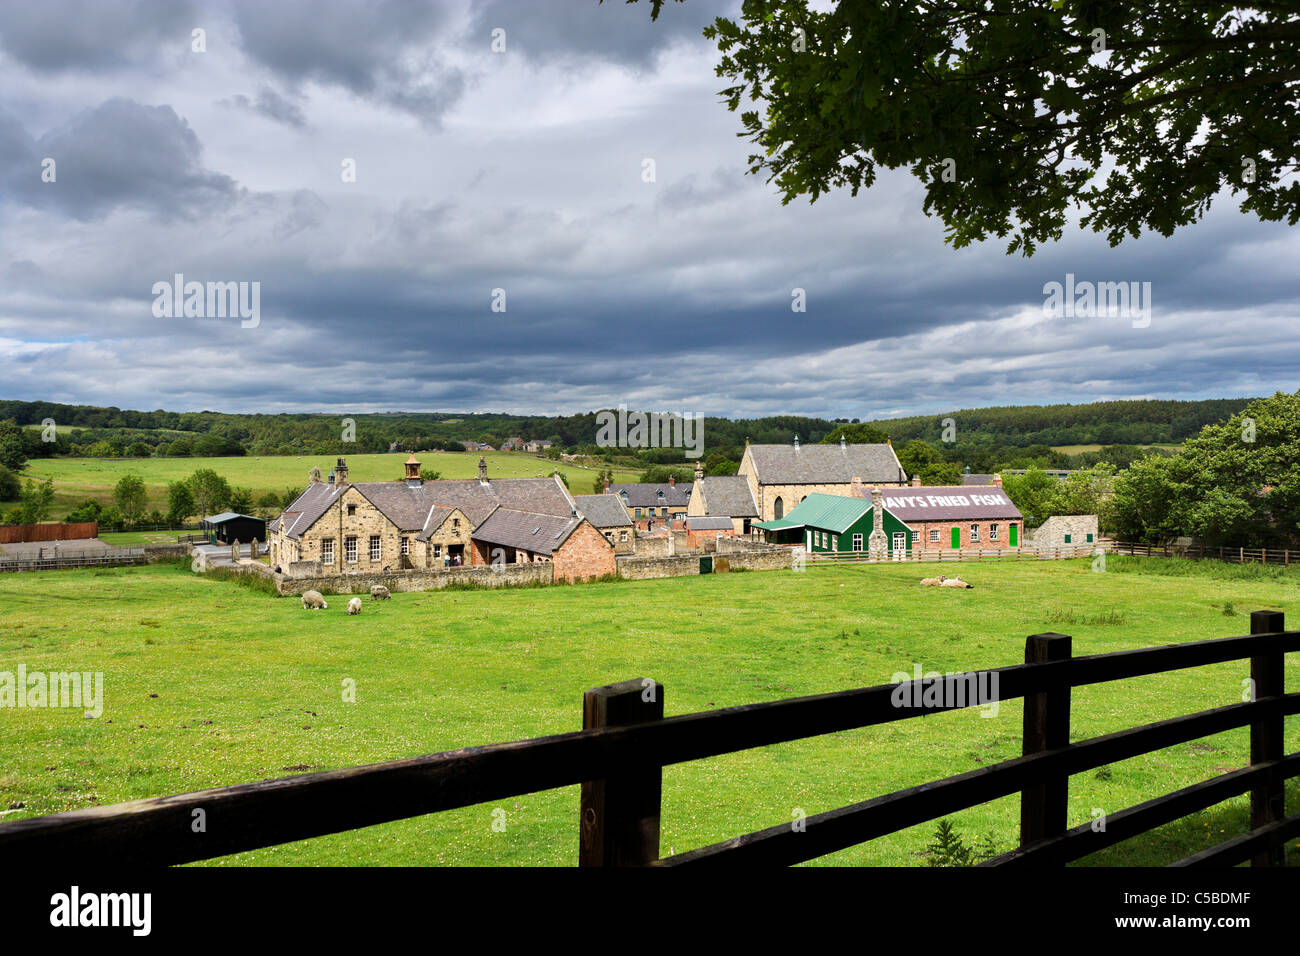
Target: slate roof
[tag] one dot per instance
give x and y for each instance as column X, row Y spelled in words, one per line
column 708, row 523
column 409, row 505
column 825, row 512
column 542, row 534
column 728, row 495
column 948, row 503
column 824, row 464
column 647, row 495
column 973, row 479
column 603, row 511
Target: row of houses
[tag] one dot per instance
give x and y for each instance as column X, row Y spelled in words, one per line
column 823, row 497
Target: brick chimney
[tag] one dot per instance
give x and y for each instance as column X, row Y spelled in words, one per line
column 482, row 469
column 997, row 480
column 341, row 472
column 672, row 480
column 855, row 487
column 607, row 484
column 916, row 481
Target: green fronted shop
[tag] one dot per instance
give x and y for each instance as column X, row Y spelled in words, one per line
column 830, row 523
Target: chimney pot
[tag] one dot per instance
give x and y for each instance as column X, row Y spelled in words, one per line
column 672, row 480
column 997, row 480
column 916, row 481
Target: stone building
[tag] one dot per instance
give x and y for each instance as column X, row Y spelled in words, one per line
column 723, row 496
column 652, row 501
column 376, row 525
column 609, row 516
column 1066, row 533
column 781, row 476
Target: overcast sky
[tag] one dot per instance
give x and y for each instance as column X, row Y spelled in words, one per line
column 523, row 170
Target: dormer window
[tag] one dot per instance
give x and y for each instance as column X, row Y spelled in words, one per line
column 661, row 496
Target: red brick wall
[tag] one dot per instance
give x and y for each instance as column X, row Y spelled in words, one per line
column 923, row 529
column 586, row 554
column 693, row 538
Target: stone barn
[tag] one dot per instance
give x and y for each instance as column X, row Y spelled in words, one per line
column 575, row 548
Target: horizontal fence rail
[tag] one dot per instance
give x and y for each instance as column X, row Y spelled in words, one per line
column 1275, row 556
column 52, row 559
column 940, row 555
column 626, row 741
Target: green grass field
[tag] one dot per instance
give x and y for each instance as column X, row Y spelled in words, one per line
column 210, row 683
column 76, row 479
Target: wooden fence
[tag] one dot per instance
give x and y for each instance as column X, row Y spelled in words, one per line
column 48, row 560
column 24, row 533
column 934, row 555
column 1277, row 556
column 619, row 756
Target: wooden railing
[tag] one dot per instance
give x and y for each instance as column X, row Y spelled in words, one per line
column 965, row 554
column 1277, row 556
column 619, row 755
column 50, row 559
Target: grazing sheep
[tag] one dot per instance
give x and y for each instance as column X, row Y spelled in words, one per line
column 934, row 582
column 354, row 606
column 313, row 600
column 379, row 592
column 955, row 583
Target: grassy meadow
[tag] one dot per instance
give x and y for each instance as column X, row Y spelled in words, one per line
column 76, row 479
column 208, row 682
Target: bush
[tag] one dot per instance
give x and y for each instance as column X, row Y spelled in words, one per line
column 88, row 510
column 10, row 487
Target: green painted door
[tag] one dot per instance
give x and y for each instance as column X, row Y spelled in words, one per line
column 1015, row 536
column 706, row 564
column 956, row 537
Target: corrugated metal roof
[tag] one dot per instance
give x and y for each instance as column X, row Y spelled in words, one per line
column 826, row 512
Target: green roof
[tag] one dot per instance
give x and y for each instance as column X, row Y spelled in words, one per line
column 826, row 512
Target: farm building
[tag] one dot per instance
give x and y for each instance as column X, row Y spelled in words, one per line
column 576, row 550
column 723, row 496
column 781, row 476
column 1065, row 532
column 834, row 523
column 229, row 526
column 958, row 516
column 411, row 523
column 610, row 518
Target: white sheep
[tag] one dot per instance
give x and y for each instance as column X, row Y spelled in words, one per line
column 379, row 592
column 955, row 583
column 313, row 600
column 354, row 606
column 934, row 582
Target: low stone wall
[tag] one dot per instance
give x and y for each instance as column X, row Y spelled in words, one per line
column 640, row 567
column 766, row 559
column 729, row 544
column 163, row 551
column 654, row 547
column 421, row 580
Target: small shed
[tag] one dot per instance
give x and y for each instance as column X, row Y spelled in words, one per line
column 229, row 526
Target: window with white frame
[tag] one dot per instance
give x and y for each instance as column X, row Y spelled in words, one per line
column 835, row 542
column 974, row 532
column 374, row 547
column 327, row 551
column 934, row 534
column 350, row 548
column 857, row 542
column 406, row 546
column 993, row 532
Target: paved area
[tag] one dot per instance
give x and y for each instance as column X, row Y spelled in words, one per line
column 30, row 549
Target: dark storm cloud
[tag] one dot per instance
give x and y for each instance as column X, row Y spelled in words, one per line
column 119, row 154
column 91, row 35
column 611, row 31
column 383, row 51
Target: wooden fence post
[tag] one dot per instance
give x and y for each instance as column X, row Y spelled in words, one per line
column 620, row 814
column 1046, row 727
column 1266, row 675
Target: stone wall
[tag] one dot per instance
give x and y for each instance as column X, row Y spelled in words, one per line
column 654, row 547
column 419, row 580
column 163, row 551
column 773, row 559
column 640, row 567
